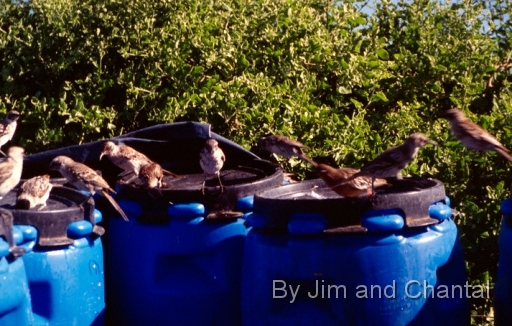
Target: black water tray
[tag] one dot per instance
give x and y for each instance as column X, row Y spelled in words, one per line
column 412, row 196
column 64, row 206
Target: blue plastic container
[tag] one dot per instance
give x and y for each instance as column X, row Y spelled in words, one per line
column 185, row 271
column 15, row 306
column 67, row 283
column 503, row 286
column 389, row 274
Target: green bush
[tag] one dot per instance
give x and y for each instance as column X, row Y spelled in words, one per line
column 346, row 83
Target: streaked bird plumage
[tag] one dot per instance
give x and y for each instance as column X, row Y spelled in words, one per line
column 10, row 170
column 84, row 178
column 354, row 188
column 390, row 162
column 472, row 135
column 284, row 146
column 211, row 160
column 8, row 127
column 128, row 159
column 34, row 192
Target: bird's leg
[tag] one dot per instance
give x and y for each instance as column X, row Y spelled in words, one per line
column 220, row 183
column 204, row 182
column 43, row 205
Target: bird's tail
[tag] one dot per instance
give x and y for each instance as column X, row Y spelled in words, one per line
column 344, row 181
column 504, row 153
column 115, row 204
column 174, row 175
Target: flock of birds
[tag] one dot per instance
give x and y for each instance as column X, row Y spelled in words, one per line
column 346, row 182
column 35, row 191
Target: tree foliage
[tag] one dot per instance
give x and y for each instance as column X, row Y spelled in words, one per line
column 347, row 83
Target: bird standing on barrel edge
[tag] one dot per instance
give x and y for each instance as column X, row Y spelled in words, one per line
column 128, row 159
column 472, row 135
column 84, row 178
column 212, row 160
column 284, row 146
column 354, row 188
column 10, row 170
column 390, row 162
column 33, row 192
column 8, row 127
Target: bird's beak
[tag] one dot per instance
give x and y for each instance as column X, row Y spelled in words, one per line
column 101, row 155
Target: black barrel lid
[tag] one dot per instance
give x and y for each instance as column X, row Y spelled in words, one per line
column 6, row 231
column 411, row 195
column 65, row 205
column 239, row 181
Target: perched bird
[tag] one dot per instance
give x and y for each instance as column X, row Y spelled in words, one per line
column 354, row 188
column 472, row 135
column 8, row 127
column 212, row 160
column 33, row 192
column 284, row 146
column 152, row 175
column 390, row 162
column 10, row 170
column 128, row 159
column 84, row 178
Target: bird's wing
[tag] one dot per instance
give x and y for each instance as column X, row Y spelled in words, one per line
column 389, row 158
column 4, row 130
column 291, row 142
column 88, row 175
column 472, row 130
column 6, row 168
column 35, row 187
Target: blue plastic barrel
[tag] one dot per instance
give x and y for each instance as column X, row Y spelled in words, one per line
column 67, row 282
column 503, row 286
column 390, row 274
column 184, row 271
column 15, row 306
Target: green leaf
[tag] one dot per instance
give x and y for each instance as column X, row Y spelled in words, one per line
column 383, row 54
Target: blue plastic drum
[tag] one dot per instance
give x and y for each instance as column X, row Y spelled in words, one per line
column 185, row 271
column 503, row 287
column 15, row 306
column 301, row 270
column 67, row 283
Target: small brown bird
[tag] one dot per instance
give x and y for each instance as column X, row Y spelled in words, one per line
column 128, row 159
column 472, row 135
column 8, row 127
column 152, row 175
column 84, row 178
column 390, row 162
column 10, row 170
column 212, row 160
column 284, row 146
column 33, row 192
column 358, row 186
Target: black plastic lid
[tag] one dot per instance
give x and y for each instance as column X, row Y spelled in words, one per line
column 412, row 196
column 239, row 181
column 64, row 206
